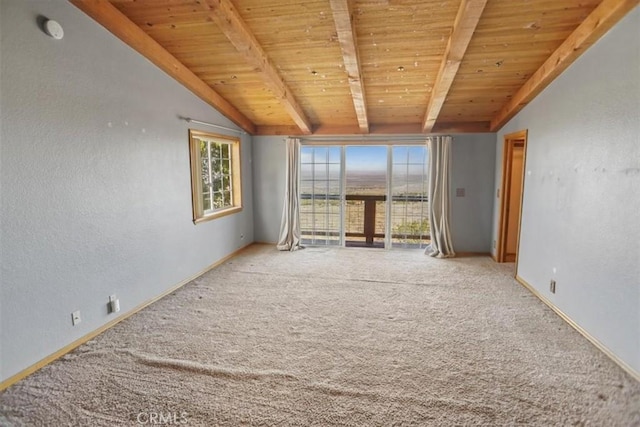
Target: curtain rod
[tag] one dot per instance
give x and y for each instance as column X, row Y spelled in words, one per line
column 367, row 139
column 190, row 120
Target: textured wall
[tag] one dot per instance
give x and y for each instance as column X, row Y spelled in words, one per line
column 268, row 184
column 581, row 199
column 473, row 163
column 473, row 166
column 95, row 182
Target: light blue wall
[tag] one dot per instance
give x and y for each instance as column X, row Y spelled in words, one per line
column 269, row 185
column 473, row 164
column 94, row 165
column 581, row 205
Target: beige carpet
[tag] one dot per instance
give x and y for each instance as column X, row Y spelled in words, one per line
column 322, row 337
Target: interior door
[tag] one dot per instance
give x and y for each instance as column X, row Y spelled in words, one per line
column 512, row 189
column 515, row 198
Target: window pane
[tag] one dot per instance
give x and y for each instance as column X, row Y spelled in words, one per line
column 399, row 178
column 320, row 154
column 215, row 151
column 217, row 185
column 306, row 187
column 218, row 200
column 320, row 173
column 306, row 172
column 227, row 198
column 204, row 150
column 417, row 155
column 204, row 166
column 206, row 202
column 400, row 154
column 334, row 188
column 334, row 155
column 320, row 188
column 225, row 151
column 334, row 172
column 306, row 154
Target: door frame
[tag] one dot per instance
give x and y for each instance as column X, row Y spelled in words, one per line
column 343, row 233
column 505, row 191
column 344, row 145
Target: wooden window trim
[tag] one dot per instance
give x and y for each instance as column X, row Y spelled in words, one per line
column 196, row 185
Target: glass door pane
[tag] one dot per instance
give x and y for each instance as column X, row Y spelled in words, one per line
column 409, row 206
column 320, row 201
column 365, row 193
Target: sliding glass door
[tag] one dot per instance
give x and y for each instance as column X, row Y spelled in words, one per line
column 321, row 195
column 368, row 196
column 410, row 205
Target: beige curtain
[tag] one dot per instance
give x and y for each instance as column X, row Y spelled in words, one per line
column 439, row 197
column 290, row 226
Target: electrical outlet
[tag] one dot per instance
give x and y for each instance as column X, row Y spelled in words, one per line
column 114, row 304
column 552, row 286
column 75, row 318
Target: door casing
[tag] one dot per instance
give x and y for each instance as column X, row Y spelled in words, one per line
column 511, row 141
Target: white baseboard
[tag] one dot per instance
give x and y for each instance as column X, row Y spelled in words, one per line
column 578, row 328
column 69, row 347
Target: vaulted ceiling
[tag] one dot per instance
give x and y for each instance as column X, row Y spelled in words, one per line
column 361, row 66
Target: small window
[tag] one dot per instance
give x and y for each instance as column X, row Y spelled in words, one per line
column 215, row 175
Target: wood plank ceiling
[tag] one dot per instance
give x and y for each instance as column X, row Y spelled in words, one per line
column 361, row 66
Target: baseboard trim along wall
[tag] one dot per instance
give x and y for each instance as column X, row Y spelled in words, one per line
column 458, row 254
column 66, row 349
column 635, row 374
column 472, row 254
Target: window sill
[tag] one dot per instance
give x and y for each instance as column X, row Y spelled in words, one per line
column 218, row 214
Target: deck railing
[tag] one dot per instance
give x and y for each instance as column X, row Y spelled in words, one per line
column 364, row 218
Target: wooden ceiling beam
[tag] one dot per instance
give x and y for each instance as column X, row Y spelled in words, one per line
column 343, row 18
column 224, row 14
column 379, row 129
column 461, row 127
column 463, row 28
column 603, row 18
column 122, row 27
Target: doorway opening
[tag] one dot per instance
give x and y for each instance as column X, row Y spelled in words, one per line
column 513, row 167
column 372, row 196
column 365, row 195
